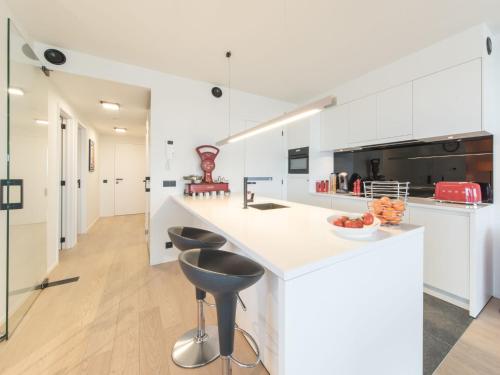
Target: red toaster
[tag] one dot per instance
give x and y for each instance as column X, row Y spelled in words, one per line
column 460, row 192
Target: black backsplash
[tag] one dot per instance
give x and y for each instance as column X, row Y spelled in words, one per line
column 425, row 163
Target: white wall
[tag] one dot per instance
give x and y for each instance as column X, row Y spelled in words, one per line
column 182, row 110
column 107, row 168
column 56, row 104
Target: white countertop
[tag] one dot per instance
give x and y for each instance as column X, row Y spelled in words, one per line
column 290, row 242
column 416, row 202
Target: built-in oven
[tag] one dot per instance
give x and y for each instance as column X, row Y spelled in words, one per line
column 298, row 160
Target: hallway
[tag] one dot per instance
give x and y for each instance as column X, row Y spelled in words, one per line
column 121, row 317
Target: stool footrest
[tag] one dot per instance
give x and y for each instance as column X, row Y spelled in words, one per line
column 254, row 345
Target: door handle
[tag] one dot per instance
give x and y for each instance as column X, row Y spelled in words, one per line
column 5, row 186
column 146, row 184
column 118, row 180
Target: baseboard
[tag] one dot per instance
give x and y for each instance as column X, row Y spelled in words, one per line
column 92, row 224
column 448, row 297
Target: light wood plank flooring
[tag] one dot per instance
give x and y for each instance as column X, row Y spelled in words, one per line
column 477, row 352
column 122, row 317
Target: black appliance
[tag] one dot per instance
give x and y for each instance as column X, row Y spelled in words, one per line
column 298, row 160
column 424, row 163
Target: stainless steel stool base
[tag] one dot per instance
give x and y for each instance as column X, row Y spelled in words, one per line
column 190, row 352
column 226, row 365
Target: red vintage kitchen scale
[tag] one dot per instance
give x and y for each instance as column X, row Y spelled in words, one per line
column 207, row 155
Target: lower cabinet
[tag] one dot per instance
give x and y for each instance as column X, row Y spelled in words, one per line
column 446, row 249
column 349, row 205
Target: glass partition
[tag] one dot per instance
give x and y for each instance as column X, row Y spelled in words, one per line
column 24, row 191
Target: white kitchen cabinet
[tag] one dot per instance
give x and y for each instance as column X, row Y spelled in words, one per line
column 363, row 120
column 446, row 250
column 394, row 112
column 448, row 102
column 334, row 130
column 297, row 134
column 298, row 188
column 349, row 204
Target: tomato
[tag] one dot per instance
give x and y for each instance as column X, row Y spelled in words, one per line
column 353, row 224
column 368, row 219
column 338, row 223
column 343, row 218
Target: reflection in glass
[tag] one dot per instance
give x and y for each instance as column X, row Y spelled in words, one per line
column 27, row 149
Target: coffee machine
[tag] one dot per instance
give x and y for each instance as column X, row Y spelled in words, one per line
column 343, row 185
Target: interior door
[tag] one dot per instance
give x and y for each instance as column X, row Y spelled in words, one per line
column 24, row 190
column 129, row 179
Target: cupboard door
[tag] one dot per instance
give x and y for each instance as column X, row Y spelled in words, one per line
column 446, row 249
column 394, row 112
column 297, row 134
column 356, row 205
column 334, row 127
column 448, row 102
column 363, row 120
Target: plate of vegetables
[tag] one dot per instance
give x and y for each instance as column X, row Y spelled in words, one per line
column 354, row 226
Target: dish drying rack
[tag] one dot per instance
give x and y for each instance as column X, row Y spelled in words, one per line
column 390, row 211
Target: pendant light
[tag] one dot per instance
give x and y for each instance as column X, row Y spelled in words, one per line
column 298, row 114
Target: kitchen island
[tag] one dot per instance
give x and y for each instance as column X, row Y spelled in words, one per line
column 327, row 305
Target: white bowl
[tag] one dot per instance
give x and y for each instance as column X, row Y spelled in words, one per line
column 364, row 232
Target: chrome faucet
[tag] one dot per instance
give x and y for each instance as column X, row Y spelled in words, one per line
column 251, row 181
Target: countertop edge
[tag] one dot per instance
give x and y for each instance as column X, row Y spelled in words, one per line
column 430, row 205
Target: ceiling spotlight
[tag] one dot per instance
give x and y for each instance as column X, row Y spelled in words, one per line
column 41, row 122
column 450, row 137
column 110, row 106
column 120, row 130
column 15, row 91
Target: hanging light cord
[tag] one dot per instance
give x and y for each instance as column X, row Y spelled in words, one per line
column 228, row 56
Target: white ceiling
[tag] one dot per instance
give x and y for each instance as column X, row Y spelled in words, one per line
column 287, row 49
column 85, row 94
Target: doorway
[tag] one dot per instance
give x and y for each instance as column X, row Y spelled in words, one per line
column 81, row 180
column 123, row 171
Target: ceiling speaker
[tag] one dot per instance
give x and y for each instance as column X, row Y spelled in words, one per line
column 54, row 56
column 217, row 92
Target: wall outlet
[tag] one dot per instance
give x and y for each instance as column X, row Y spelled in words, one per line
column 169, row 183
column 168, row 245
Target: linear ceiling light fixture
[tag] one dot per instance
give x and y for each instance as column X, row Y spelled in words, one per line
column 120, row 130
column 41, row 122
column 110, row 106
column 287, row 118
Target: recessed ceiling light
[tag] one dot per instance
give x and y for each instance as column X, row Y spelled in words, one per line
column 110, row 106
column 450, row 137
column 120, row 130
column 15, row 91
column 41, row 122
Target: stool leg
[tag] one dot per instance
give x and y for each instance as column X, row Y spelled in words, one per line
column 226, row 365
column 200, row 345
column 201, row 320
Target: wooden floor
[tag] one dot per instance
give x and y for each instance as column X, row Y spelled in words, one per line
column 478, row 350
column 122, row 317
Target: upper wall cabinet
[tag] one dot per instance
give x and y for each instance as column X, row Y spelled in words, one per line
column 334, row 131
column 394, row 112
column 448, row 102
column 297, row 134
column 363, row 120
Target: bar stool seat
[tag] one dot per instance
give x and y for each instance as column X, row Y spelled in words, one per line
column 185, row 238
column 198, row 346
column 223, row 274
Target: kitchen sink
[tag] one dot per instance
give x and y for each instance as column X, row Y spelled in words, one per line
column 267, row 206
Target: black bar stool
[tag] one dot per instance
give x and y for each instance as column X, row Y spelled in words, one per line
column 223, row 274
column 198, row 346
